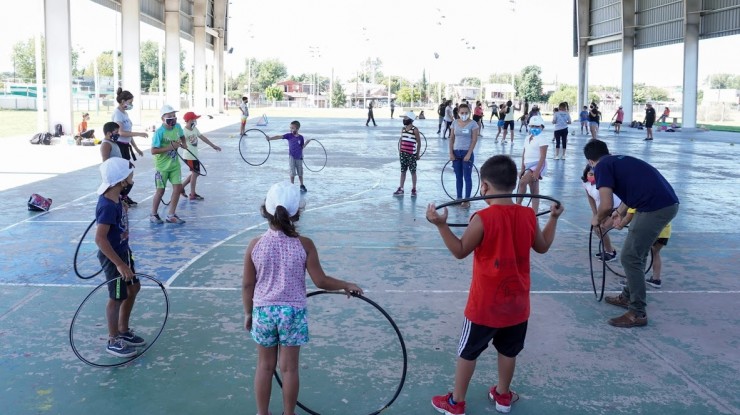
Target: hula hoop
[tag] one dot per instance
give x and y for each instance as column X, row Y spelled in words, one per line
column 325, row 157
column 400, row 339
column 148, row 346
column 201, row 166
column 598, row 296
column 486, row 197
column 601, row 250
column 269, row 147
column 425, row 145
column 442, row 175
column 77, row 252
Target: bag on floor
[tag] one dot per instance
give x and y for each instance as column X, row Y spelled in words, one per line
column 38, row 203
column 41, row 138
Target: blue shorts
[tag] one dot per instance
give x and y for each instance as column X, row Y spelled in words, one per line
column 282, row 325
column 500, row 123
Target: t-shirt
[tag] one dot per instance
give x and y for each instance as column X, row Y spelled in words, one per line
column 561, row 119
column 532, row 146
column 82, row 127
column 124, row 122
column 449, row 116
column 593, row 192
column 665, row 233
column 636, row 182
column 192, row 137
column 245, row 109
column 108, row 212
column 163, row 138
column 478, row 111
column 295, row 145
column 620, row 115
column 584, row 115
column 649, row 114
column 499, row 290
column 464, row 134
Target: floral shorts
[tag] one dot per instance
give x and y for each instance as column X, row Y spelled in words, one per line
column 279, row 324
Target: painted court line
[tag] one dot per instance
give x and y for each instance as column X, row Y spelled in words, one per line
column 47, row 212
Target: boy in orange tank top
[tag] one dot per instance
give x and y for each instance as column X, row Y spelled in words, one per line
column 497, row 310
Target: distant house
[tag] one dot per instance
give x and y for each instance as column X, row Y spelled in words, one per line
column 471, row 93
column 302, row 93
column 498, row 92
column 356, row 93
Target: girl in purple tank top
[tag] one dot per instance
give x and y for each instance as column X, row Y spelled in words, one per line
column 274, row 294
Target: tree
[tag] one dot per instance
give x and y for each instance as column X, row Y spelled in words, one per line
column 149, row 58
column 274, row 93
column 24, row 59
column 338, row 97
column 395, row 83
column 530, row 86
column 404, row 95
column 501, row 78
column 569, row 94
column 723, row 81
column 371, row 70
column 470, row 81
column 268, row 73
column 105, row 64
column 644, row 93
column 424, row 86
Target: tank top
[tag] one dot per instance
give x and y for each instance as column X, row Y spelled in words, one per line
column 592, row 117
column 115, row 151
column 408, row 141
column 280, row 262
column 510, row 114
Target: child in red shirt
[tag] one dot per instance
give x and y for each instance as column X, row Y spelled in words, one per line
column 497, row 310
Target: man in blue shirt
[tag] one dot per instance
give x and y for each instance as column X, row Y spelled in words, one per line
column 640, row 186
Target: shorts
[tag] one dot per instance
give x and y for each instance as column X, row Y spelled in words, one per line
column 596, row 123
column 296, row 166
column 661, row 241
column 500, row 123
column 282, row 325
column 477, row 118
column 408, row 162
column 116, row 289
column 618, row 122
column 193, row 165
column 509, row 125
column 649, row 124
column 244, row 119
column 508, row 341
column 532, row 165
column 162, row 177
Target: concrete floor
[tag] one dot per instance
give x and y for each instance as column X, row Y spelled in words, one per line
column 685, row 362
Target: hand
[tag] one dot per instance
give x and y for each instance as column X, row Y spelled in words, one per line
column 184, row 145
column 145, row 135
column 352, row 289
column 248, row 322
column 125, row 271
column 466, row 158
column 434, row 217
column 535, row 175
column 452, row 157
column 217, row 148
column 617, row 222
column 556, row 210
column 175, row 145
column 595, row 222
column 141, row 153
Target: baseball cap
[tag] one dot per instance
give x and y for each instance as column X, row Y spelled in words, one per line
column 113, row 171
column 166, row 109
column 190, row 116
column 283, row 194
column 536, row 120
column 410, row 115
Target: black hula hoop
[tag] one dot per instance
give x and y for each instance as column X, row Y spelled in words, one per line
column 485, row 197
column 425, row 144
column 442, row 179
column 598, row 296
column 149, row 344
column 77, row 252
column 326, row 158
column 269, row 147
column 620, row 275
column 200, row 163
column 400, row 339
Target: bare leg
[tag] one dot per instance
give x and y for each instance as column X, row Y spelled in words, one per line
column 156, row 200
column 534, row 187
column 523, row 182
column 403, row 179
column 289, row 371
column 111, row 314
column 413, row 180
column 506, row 366
column 266, row 361
column 126, row 306
column 292, row 179
column 657, row 261
column 594, row 131
column 463, row 373
column 300, row 179
column 176, row 190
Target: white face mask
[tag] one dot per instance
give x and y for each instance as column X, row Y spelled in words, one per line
column 464, row 117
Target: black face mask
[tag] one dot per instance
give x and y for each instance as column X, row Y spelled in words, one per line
column 114, row 137
column 126, row 189
column 407, row 121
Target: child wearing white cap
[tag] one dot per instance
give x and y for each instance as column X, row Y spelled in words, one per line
column 274, row 294
column 115, row 256
column 409, row 152
column 165, row 142
column 534, row 161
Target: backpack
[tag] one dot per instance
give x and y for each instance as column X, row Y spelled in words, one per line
column 38, row 203
column 441, row 110
column 58, row 130
column 41, row 138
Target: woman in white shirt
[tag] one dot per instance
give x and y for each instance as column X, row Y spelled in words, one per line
column 534, row 161
column 594, row 200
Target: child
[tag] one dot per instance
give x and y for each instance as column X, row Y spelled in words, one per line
column 111, row 237
column 409, row 152
column 584, row 119
column 534, row 161
column 594, row 200
column 659, row 243
column 619, row 115
column 165, row 142
column 191, row 155
column 274, row 294
column 295, row 152
column 109, row 148
column 561, row 119
column 497, row 310
column 82, row 130
column 244, row 108
column 523, row 122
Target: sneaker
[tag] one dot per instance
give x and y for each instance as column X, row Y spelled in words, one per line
column 503, row 401
column 131, row 339
column 653, row 283
column 155, row 219
column 303, row 189
column 195, row 196
column 442, row 404
column 608, row 256
column 617, row 300
column 175, row 219
column 648, row 139
column 465, row 205
column 118, row 348
column 398, row 192
column 413, row 194
column 130, row 202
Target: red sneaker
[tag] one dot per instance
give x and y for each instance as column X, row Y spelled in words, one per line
column 503, row 401
column 442, row 404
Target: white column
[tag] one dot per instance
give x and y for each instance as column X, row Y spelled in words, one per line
column 172, row 51
column 115, row 53
column 59, row 72
column 690, row 62
column 131, row 61
column 199, row 56
column 628, row 58
column 583, row 33
column 219, row 17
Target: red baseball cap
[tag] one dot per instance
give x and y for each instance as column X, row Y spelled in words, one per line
column 189, row 116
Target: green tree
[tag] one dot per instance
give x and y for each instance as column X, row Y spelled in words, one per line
column 723, row 81
column 395, row 83
column 530, row 86
column 569, row 94
column 338, row 97
column 370, row 70
column 274, row 92
column 149, row 62
column 500, row 78
column 24, row 59
column 404, row 95
column 105, row 64
column 470, row 81
column 424, row 86
column 644, row 93
column 267, row 73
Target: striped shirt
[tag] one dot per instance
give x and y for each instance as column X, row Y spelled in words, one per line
column 408, row 141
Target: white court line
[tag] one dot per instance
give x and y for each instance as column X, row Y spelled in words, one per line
column 48, row 211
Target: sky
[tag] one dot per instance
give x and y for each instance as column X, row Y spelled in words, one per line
column 507, row 35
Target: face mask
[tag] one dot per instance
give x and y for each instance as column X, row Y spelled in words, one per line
column 126, row 188
column 194, row 124
column 114, row 137
column 129, row 106
column 591, row 179
column 170, row 121
column 407, row 121
column 464, row 116
column 535, row 131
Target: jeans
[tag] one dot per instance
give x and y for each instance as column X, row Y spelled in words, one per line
column 463, row 169
column 643, row 231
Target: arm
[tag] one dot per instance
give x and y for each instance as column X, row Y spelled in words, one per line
column 452, row 144
column 305, row 143
column 249, row 280
column 105, row 149
column 460, row 248
column 592, row 203
column 105, row 247
column 183, row 142
column 543, row 240
column 604, row 211
column 418, row 143
column 473, row 142
column 207, row 141
column 540, row 163
column 319, row 277
column 275, row 137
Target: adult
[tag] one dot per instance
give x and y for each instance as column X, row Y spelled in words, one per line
column 594, row 120
column 463, row 138
column 500, row 123
column 562, row 120
column 449, row 117
column 125, row 140
column 370, row 115
column 478, row 115
column 494, row 111
column 619, row 115
column 509, row 119
column 441, row 114
column 640, row 186
column 393, row 107
column 649, row 121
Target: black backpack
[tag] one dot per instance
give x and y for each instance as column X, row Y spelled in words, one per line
column 41, row 138
column 58, row 130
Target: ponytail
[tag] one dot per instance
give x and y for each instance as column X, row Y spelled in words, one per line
column 282, row 220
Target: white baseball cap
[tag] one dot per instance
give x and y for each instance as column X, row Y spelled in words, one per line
column 283, row 194
column 113, row 171
column 410, row 115
column 536, row 120
column 166, row 109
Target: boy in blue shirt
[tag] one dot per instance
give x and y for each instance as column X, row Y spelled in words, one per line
column 296, row 145
column 111, row 237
